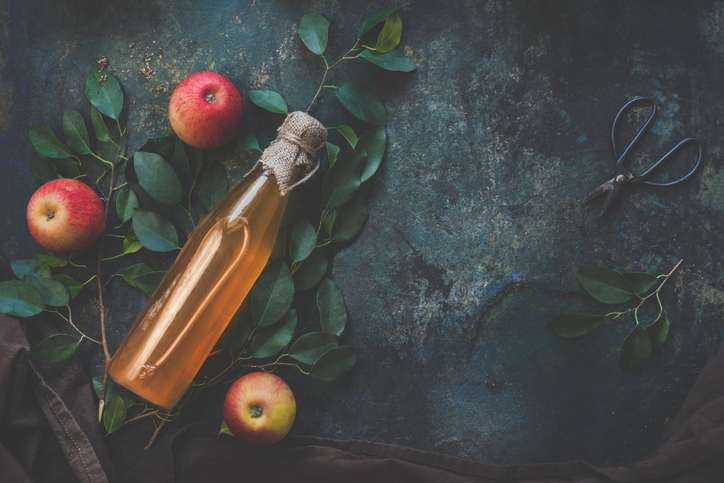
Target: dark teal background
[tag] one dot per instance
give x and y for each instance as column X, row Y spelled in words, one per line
column 475, row 229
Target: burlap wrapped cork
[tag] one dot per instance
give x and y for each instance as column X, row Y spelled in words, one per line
column 300, row 138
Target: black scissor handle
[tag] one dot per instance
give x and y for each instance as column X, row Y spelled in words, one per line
column 639, row 100
column 642, row 177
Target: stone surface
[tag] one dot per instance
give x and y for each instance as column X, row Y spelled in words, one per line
column 476, row 228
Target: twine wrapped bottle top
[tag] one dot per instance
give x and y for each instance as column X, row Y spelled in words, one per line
column 300, row 138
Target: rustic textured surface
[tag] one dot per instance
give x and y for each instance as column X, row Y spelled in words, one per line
column 475, row 227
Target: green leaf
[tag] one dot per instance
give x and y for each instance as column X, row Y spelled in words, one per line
column 148, row 282
column 373, row 143
column 157, row 177
column 270, row 340
column 389, row 37
column 332, row 313
column 53, row 260
column 635, row 350
column 224, row 429
column 343, row 179
column 33, row 268
column 348, row 134
column 114, row 414
column 213, row 185
column 131, row 244
column 376, row 19
column 304, row 239
column 43, row 169
column 154, row 231
column 332, row 152
column 312, row 270
column 54, row 349
column 574, row 325
column 46, row 144
column 194, row 159
column 237, row 332
column 126, row 202
column 310, row 347
column 269, row 100
column 362, row 103
column 246, row 142
column 98, row 388
column 71, row 285
column 67, row 168
column 134, row 271
column 314, row 30
column 394, row 60
column 76, row 133
column 99, row 126
column 348, row 220
column 605, row 285
column 282, row 241
column 272, row 294
column 164, row 146
column 334, row 363
column 104, row 92
column 20, row 299
column 659, row 331
column 110, row 151
column 54, row 293
column 641, row 282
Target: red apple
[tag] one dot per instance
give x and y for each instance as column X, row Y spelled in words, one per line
column 206, row 110
column 65, row 215
column 259, row 408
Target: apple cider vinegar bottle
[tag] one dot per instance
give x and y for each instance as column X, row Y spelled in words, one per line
column 215, row 270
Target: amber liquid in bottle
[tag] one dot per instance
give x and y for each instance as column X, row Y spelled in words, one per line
column 202, row 290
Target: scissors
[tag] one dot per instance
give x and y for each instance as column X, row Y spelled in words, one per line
column 623, row 175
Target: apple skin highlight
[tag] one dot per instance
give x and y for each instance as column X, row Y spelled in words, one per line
column 65, row 215
column 259, row 408
column 206, row 110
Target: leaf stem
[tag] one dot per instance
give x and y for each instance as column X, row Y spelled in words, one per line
column 70, row 321
column 326, row 71
column 654, row 293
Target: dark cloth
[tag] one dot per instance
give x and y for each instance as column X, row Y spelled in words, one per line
column 49, row 433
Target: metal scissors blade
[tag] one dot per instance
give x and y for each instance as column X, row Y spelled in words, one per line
column 612, row 187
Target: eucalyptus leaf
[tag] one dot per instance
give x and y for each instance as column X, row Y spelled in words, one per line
column 213, row 185
column 46, row 144
column 635, row 350
column 376, row 19
column 54, row 293
column 605, row 285
column 194, row 160
column 154, row 231
column 126, row 202
column 114, row 414
column 348, row 134
column 272, row 294
column 53, row 260
column 32, row 267
column 394, row 60
column 641, row 282
column 304, row 239
column 310, row 347
column 76, row 134
column 104, row 92
column 343, row 179
column 390, row 35
column 362, row 103
column 311, row 271
column 332, row 313
column 334, row 363
column 238, row 330
column 348, row 220
column 246, row 141
column 659, row 331
column 43, row 169
column 574, row 325
column 164, row 146
column 20, row 299
column 71, row 285
column 373, row 143
column 272, row 339
column 269, row 100
column 54, row 349
column 99, row 126
column 157, row 178
column 314, row 31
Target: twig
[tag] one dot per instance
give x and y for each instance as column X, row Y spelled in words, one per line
column 68, row 319
column 655, row 292
column 324, row 77
column 155, row 434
